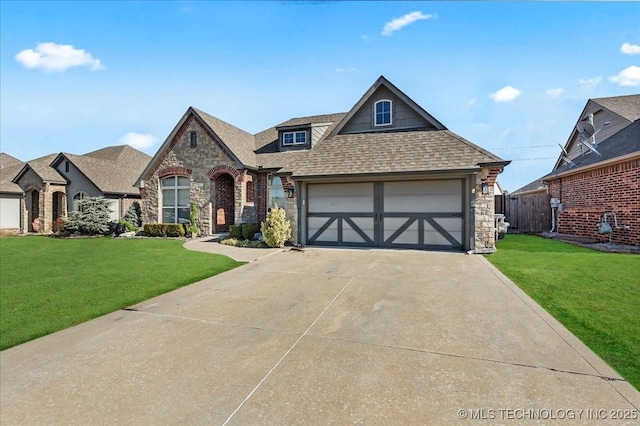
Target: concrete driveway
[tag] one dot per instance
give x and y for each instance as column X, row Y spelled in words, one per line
column 320, row 337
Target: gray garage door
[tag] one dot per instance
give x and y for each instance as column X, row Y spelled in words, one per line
column 413, row 214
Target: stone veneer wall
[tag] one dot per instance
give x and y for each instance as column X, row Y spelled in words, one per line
column 199, row 164
column 484, row 222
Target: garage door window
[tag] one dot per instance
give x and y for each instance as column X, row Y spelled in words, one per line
column 175, row 199
column 275, row 193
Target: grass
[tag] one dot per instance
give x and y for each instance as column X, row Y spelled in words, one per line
column 49, row 284
column 596, row 295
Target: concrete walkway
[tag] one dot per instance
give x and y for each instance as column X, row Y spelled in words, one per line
column 320, row 337
column 211, row 245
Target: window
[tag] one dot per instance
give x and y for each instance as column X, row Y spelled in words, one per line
column 294, row 138
column 66, row 166
column 249, row 192
column 383, row 113
column 193, row 138
column 76, row 198
column 275, row 193
column 176, row 204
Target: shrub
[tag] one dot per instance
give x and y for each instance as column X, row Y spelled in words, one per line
column 58, row 225
column 164, row 229
column 235, row 232
column 229, row 242
column 243, row 243
column 132, row 216
column 193, row 215
column 92, row 217
column 247, row 230
column 276, row 230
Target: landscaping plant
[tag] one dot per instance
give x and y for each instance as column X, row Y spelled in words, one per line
column 193, row 214
column 91, row 218
column 276, row 230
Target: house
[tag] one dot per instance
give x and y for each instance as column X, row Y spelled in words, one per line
column 599, row 178
column 36, row 193
column 384, row 174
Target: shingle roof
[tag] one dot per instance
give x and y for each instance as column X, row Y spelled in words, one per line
column 241, row 143
column 626, row 141
column 114, row 169
column 41, row 166
column 6, row 160
column 6, row 178
column 391, row 152
column 625, row 106
column 533, row 186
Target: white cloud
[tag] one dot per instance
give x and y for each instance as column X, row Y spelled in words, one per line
column 403, row 21
column 57, row 57
column 506, row 94
column 630, row 49
column 627, row 77
column 345, row 69
column 365, row 37
column 555, row 93
column 590, row 81
column 138, row 140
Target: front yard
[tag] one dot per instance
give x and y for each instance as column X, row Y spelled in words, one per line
column 595, row 295
column 48, row 284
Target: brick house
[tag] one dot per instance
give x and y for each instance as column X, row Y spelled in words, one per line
column 384, row 174
column 36, row 193
column 595, row 185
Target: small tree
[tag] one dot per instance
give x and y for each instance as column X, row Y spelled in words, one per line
column 276, row 230
column 132, row 216
column 92, row 217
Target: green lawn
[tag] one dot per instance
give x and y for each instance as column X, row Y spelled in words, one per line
column 48, row 284
column 596, row 295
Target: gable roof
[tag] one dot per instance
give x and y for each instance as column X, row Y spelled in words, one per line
column 41, row 166
column 239, row 143
column 382, row 81
column 625, row 142
column 113, row 170
column 625, row 106
column 392, row 152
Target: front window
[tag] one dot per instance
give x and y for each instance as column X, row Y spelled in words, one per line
column 77, row 197
column 275, row 193
column 175, row 199
column 383, row 113
column 294, row 138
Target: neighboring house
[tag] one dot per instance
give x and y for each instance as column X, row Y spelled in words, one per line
column 597, row 184
column 384, row 174
column 586, row 183
column 10, row 194
column 49, row 187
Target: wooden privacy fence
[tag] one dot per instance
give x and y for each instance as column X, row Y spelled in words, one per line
column 528, row 213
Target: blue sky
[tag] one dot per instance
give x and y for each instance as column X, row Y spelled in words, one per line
column 510, row 77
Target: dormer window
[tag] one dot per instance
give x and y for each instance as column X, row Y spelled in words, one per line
column 294, row 138
column 382, row 113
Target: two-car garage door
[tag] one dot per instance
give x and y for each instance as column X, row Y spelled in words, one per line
column 414, row 214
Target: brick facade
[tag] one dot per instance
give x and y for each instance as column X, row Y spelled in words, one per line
column 587, row 195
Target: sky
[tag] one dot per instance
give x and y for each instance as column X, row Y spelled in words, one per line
column 511, row 77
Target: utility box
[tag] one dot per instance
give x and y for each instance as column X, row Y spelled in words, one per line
column 501, row 226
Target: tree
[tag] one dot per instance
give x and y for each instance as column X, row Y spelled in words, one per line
column 132, row 216
column 92, row 217
column 276, row 230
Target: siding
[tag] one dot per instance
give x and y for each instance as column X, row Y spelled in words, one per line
column 403, row 115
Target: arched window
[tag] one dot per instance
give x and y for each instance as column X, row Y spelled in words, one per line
column 77, row 197
column 175, row 199
column 249, row 191
column 382, row 112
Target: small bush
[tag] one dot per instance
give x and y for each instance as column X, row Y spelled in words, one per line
column 243, row 243
column 164, row 229
column 247, row 230
column 276, row 230
column 58, row 226
column 235, row 232
column 229, row 242
column 132, row 216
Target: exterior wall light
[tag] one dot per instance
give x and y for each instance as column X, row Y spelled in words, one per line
column 290, row 193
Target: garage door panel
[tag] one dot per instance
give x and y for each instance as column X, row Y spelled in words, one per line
column 453, row 227
column 408, row 228
column 423, row 196
column 341, row 198
column 363, row 232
